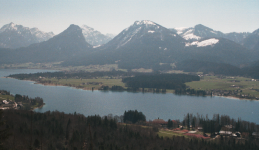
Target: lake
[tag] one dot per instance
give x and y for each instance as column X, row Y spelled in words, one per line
column 153, row 105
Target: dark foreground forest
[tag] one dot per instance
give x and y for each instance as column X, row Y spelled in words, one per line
column 56, row 130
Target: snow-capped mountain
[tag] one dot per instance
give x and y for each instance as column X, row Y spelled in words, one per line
column 220, row 50
column 197, row 32
column 15, row 36
column 143, row 44
column 200, row 31
column 207, row 42
column 95, row 37
column 66, row 45
column 146, row 33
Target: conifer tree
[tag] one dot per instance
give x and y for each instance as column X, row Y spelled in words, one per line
column 4, row 134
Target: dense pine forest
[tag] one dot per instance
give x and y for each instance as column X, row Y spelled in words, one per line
column 22, row 129
column 160, row 81
column 80, row 74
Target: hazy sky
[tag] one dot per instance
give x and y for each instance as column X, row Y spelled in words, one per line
column 112, row 16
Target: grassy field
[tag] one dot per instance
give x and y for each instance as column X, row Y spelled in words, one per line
column 5, row 97
column 170, row 134
column 83, row 82
column 57, row 66
column 207, row 83
column 80, row 83
column 212, row 82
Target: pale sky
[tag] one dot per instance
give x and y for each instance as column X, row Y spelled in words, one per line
column 112, row 16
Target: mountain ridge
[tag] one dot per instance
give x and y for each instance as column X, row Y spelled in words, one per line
column 144, row 44
column 65, row 45
column 16, row 36
column 200, row 31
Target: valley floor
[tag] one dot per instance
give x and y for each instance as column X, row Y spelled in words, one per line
column 246, row 87
column 232, row 87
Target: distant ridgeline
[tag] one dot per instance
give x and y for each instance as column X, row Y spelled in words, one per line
column 219, row 68
column 160, row 81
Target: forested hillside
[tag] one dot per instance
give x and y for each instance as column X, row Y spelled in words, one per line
column 56, row 130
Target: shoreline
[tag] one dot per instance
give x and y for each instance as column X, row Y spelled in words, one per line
column 38, row 107
column 236, row 98
column 90, row 89
column 49, row 84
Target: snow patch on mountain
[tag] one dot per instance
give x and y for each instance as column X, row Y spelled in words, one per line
column 129, row 36
column 145, row 33
column 10, row 26
column 180, row 30
column 15, row 36
column 40, row 35
column 96, row 46
column 208, row 42
column 191, row 36
column 146, row 22
column 200, row 31
column 94, row 37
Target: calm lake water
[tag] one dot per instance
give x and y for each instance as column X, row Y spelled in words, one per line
column 164, row 106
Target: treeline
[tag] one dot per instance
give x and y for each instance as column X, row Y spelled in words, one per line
column 78, row 75
column 218, row 68
column 252, row 71
column 189, row 91
column 219, row 122
column 160, row 81
column 132, row 116
column 4, row 92
column 59, row 131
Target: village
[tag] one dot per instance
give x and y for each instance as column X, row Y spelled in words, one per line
column 9, row 101
column 176, row 128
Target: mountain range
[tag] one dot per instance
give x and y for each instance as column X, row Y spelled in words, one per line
column 61, row 47
column 200, row 31
column 15, row 36
column 144, row 44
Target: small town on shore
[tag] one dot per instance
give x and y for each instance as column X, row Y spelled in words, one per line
column 9, row 101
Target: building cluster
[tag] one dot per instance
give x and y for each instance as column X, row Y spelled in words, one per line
column 235, row 93
column 225, row 131
column 7, row 104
